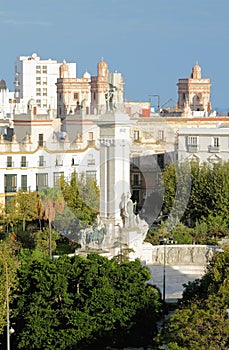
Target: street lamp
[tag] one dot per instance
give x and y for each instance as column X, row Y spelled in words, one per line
column 165, row 241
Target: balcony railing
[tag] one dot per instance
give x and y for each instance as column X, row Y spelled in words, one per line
column 91, row 142
column 41, row 163
column 192, row 148
column 136, row 183
column 10, row 164
column 59, row 162
column 9, row 189
column 91, row 162
column 214, row 148
column 24, row 164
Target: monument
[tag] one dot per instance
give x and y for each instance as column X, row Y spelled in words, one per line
column 117, row 221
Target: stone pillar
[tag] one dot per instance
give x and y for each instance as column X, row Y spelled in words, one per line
column 114, row 163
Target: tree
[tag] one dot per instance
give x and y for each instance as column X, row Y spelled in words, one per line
column 205, row 186
column 202, row 318
column 26, row 206
column 53, row 202
column 84, row 208
column 84, row 303
column 8, row 280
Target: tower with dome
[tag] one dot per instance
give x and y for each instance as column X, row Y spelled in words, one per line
column 194, row 92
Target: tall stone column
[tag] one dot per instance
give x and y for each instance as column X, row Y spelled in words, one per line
column 114, row 163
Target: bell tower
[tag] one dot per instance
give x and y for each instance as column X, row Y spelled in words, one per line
column 194, row 92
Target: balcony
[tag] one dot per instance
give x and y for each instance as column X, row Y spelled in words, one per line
column 41, row 163
column 91, row 162
column 136, row 183
column 91, row 142
column 9, row 189
column 10, row 164
column 24, row 164
column 214, row 149
column 192, row 148
column 59, row 162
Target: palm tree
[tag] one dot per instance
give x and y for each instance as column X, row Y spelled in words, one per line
column 52, row 202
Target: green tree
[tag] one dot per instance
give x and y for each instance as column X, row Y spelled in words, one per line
column 8, row 278
column 206, row 186
column 84, row 303
column 202, row 318
column 26, row 206
column 83, row 208
column 53, row 202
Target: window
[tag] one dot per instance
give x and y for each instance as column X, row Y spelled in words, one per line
column 161, row 135
column 59, row 161
column 9, row 162
column 38, row 69
column 45, row 103
column 38, row 92
column 23, row 161
column 136, row 135
column 24, row 182
column 90, row 160
column 38, row 102
column 216, row 142
column 192, row 143
column 44, row 69
column 44, row 80
column 76, row 96
column 57, row 177
column 38, row 80
column 91, row 174
column 90, row 141
column 215, row 146
column 75, row 161
column 41, row 180
column 41, row 140
column 136, row 179
column 10, row 183
column 45, row 92
column 41, row 161
column 192, row 140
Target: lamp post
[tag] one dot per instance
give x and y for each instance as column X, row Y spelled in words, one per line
column 164, row 241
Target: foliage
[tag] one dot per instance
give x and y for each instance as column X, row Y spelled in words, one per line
column 53, row 202
column 26, row 206
column 84, row 303
column 206, row 185
column 41, row 239
column 202, row 318
column 8, row 280
column 82, row 198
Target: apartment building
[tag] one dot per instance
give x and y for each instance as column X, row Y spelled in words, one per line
column 36, row 78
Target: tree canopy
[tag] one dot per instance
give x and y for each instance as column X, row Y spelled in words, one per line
column 202, row 317
column 84, row 303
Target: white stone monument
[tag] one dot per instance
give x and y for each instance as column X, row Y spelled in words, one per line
column 116, row 207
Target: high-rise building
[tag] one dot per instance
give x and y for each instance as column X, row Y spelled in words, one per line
column 36, row 78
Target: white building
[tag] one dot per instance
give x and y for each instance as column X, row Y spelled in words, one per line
column 37, row 153
column 204, row 144
column 36, row 78
column 7, row 101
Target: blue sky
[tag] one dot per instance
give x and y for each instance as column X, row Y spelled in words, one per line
column 152, row 43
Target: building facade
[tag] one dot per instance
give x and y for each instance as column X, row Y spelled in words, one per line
column 36, row 78
column 194, row 92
